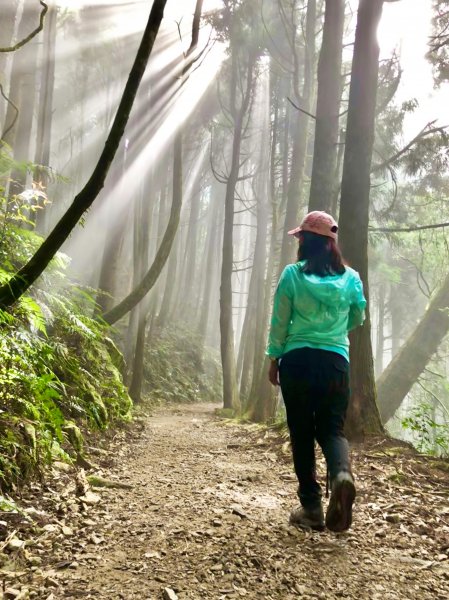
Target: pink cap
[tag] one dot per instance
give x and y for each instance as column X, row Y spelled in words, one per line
column 318, row 222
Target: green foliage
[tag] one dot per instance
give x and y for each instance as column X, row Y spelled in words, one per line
column 431, row 437
column 59, row 373
column 176, row 371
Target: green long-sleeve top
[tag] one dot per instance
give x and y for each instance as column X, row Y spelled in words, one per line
column 315, row 312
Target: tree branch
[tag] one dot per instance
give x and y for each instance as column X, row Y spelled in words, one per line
column 300, row 109
column 9, row 101
column 32, row 34
column 423, row 133
column 407, row 229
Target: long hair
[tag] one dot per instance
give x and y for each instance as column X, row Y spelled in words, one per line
column 321, row 253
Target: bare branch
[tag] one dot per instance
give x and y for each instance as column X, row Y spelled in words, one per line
column 300, row 109
column 32, row 34
column 410, row 229
column 9, row 101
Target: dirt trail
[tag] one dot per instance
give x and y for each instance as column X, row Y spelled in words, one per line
column 207, row 518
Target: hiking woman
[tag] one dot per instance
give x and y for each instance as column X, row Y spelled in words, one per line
column 317, row 301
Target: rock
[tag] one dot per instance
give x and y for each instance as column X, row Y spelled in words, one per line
column 90, row 498
column 68, row 531
column 393, row 519
column 236, row 510
column 169, row 594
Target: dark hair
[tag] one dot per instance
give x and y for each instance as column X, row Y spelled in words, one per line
column 321, row 253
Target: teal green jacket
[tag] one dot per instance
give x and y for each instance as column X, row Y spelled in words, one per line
column 315, row 312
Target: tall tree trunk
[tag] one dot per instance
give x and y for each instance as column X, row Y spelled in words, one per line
column 230, row 391
column 407, row 365
column 23, row 93
column 323, row 182
column 300, row 141
column 363, row 415
column 11, row 291
column 380, row 338
column 45, row 113
column 7, row 23
column 142, row 229
column 212, row 256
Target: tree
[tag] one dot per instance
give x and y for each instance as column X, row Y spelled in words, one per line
column 11, row 291
column 363, row 416
column 300, row 131
column 325, row 150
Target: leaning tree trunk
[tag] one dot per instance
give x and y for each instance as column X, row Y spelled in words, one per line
column 363, row 415
column 12, row 290
column 403, row 371
column 323, row 182
column 152, row 275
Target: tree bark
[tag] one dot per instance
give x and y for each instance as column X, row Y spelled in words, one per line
column 403, row 371
column 21, row 281
column 301, row 136
column 363, row 415
column 323, row 182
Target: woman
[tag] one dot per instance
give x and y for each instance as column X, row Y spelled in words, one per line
column 317, row 301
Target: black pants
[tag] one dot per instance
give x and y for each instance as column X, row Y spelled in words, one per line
column 315, row 388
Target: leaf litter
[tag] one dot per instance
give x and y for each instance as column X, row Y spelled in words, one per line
column 193, row 507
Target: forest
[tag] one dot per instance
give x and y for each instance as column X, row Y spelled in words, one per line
column 154, row 155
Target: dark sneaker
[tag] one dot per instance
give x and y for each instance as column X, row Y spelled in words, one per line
column 339, row 511
column 308, row 518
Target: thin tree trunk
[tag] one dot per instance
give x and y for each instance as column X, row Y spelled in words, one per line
column 211, row 261
column 142, row 229
column 45, row 114
column 380, row 338
column 11, row 291
column 323, row 182
column 363, row 415
column 230, row 392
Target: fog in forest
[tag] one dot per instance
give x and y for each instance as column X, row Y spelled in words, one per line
column 231, row 139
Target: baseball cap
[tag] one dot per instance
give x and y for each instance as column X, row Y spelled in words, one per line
column 318, row 222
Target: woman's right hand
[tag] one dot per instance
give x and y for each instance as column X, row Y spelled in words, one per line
column 273, row 373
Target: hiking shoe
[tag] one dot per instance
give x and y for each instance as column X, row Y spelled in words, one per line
column 308, row 518
column 339, row 511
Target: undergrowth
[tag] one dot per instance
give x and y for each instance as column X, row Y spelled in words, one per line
column 59, row 370
column 178, row 370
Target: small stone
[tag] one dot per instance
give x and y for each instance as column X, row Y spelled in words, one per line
column 90, row 498
column 393, row 519
column 169, row 594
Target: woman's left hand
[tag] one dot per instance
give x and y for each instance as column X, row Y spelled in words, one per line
column 273, row 373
